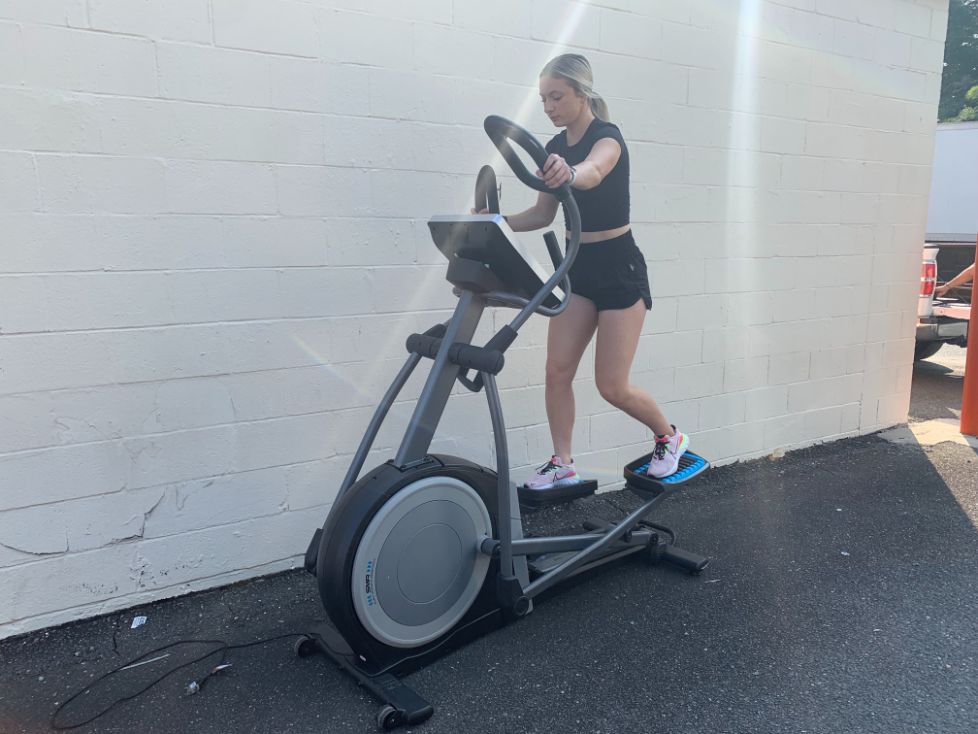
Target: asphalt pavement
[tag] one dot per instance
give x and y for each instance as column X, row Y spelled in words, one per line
column 841, row 598
column 937, row 384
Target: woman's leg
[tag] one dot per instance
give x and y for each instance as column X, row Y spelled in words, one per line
column 567, row 338
column 618, row 333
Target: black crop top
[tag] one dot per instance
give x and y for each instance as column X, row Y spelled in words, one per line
column 606, row 206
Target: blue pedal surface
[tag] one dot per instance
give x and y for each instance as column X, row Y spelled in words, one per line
column 690, row 465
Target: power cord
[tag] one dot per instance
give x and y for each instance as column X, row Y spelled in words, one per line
column 192, row 688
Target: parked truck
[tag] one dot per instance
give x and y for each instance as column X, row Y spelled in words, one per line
column 943, row 320
column 952, row 231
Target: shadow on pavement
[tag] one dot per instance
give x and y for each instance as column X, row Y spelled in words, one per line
column 937, row 386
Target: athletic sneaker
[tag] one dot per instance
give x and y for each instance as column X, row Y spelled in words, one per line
column 665, row 455
column 554, row 474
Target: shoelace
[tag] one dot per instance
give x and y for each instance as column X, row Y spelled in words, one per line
column 548, row 467
column 659, row 452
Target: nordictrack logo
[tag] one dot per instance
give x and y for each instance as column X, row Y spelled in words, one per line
column 368, row 583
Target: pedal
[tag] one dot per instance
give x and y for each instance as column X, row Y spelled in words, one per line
column 535, row 499
column 690, row 465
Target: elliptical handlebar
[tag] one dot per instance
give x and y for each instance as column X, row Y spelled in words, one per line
column 501, row 131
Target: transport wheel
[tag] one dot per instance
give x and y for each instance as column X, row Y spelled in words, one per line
column 388, row 718
column 304, row 647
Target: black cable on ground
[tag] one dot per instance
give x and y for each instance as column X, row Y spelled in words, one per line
column 222, row 648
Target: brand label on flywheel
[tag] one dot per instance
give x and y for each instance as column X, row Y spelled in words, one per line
column 369, row 585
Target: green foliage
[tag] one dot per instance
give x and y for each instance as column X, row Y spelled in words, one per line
column 960, row 63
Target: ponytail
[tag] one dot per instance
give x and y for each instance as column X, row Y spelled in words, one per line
column 599, row 107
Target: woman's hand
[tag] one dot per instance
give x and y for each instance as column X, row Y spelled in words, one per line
column 556, row 171
column 481, row 211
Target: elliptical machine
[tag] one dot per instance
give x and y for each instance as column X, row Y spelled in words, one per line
column 426, row 552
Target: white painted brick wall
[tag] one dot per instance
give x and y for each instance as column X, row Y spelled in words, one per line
column 214, row 243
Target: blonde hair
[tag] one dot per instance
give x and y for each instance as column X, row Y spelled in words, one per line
column 576, row 71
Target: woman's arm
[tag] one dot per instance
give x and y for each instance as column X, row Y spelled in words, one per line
column 556, row 171
column 588, row 173
column 537, row 216
column 602, row 158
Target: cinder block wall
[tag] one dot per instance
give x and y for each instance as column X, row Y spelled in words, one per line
column 213, row 214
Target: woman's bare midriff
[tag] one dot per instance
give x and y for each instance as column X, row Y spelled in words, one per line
column 608, row 234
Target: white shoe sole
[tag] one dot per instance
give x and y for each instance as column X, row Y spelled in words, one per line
column 559, row 483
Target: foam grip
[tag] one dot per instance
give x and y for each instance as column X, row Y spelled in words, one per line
column 426, row 346
column 477, row 358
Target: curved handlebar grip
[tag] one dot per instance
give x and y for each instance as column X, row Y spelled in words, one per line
column 486, row 193
column 501, row 131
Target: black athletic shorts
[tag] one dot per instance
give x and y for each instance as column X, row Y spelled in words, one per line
column 612, row 273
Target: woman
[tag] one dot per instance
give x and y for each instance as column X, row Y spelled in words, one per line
column 609, row 278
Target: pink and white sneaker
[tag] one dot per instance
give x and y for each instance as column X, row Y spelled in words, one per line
column 665, row 455
column 554, row 474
